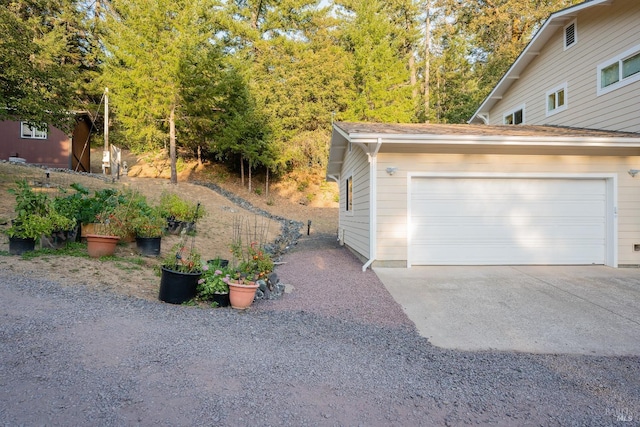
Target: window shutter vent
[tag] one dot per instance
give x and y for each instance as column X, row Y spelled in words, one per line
column 570, row 35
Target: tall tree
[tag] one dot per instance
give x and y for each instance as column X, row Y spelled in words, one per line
column 380, row 73
column 43, row 50
column 147, row 44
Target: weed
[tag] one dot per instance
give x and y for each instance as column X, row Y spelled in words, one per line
column 258, row 191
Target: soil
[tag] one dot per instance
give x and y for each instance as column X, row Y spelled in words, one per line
column 133, row 275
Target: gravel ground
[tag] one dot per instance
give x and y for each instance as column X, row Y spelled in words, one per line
column 336, row 350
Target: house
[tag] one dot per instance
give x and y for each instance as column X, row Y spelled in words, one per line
column 49, row 147
column 561, row 187
column 486, row 195
column 581, row 69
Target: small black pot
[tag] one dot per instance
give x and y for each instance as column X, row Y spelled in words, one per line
column 177, row 287
column 221, row 299
column 173, row 226
column 18, row 245
column 149, row 246
column 220, row 262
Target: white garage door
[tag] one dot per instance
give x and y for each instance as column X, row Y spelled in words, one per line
column 493, row 221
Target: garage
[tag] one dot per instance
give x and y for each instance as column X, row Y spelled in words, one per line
column 509, row 220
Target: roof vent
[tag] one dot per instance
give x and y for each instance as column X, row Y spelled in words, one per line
column 570, row 35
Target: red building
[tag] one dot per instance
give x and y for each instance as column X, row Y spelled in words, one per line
column 51, row 147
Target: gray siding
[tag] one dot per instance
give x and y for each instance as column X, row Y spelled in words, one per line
column 355, row 224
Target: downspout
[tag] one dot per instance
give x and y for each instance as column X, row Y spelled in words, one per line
column 373, row 204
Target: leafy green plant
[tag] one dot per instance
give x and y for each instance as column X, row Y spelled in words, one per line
column 175, row 207
column 103, row 202
column 149, row 223
column 214, row 279
column 183, row 259
column 258, row 265
column 35, row 214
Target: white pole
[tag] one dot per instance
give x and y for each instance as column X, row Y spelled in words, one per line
column 105, row 153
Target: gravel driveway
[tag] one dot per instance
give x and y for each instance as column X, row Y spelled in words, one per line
column 337, row 350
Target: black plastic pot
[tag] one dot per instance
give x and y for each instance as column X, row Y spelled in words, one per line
column 18, row 245
column 221, row 299
column 149, row 246
column 173, row 226
column 219, row 262
column 177, row 287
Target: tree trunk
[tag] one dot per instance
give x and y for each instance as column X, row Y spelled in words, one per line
column 242, row 170
column 249, row 175
column 413, row 78
column 266, row 185
column 172, row 145
column 199, row 155
column 427, row 64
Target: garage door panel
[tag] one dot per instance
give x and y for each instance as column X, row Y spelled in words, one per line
column 499, row 254
column 508, row 221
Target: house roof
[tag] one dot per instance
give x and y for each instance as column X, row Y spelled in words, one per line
column 375, row 137
column 542, row 36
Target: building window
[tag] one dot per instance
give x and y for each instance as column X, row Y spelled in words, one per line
column 27, row 131
column 619, row 71
column 557, row 99
column 570, row 35
column 515, row 117
column 349, row 194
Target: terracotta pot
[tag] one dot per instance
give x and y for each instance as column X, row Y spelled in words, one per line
column 98, row 246
column 241, row 296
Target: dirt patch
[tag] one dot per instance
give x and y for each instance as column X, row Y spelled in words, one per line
column 137, row 276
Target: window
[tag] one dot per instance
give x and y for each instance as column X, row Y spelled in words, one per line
column 27, row 131
column 349, row 194
column 570, row 35
column 515, row 117
column 619, row 71
column 557, row 99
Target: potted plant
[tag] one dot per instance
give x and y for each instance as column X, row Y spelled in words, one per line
column 149, row 226
column 181, row 271
column 108, row 231
column 180, row 213
column 102, row 202
column 213, row 284
column 35, row 216
column 256, row 265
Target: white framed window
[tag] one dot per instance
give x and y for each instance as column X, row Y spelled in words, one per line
column 619, row 71
column 348, row 195
column 30, row 132
column 556, row 99
column 570, row 34
column 514, row 117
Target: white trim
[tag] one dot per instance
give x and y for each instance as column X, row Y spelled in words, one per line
column 622, row 81
column 513, row 111
column 575, row 34
column 555, row 90
column 34, row 133
column 611, row 245
column 373, row 206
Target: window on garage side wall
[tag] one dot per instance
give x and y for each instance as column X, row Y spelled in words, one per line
column 349, row 194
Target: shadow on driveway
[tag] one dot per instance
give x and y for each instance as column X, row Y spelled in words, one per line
column 560, row 309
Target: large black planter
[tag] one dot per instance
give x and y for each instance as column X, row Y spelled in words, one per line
column 176, row 287
column 149, row 246
column 18, row 245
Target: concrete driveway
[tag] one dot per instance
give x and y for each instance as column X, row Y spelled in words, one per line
column 567, row 309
